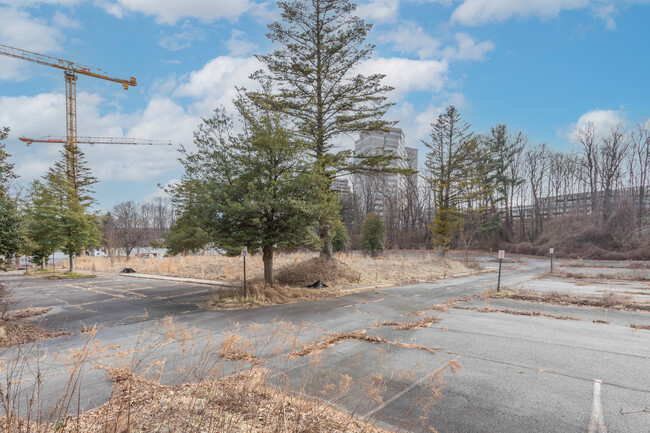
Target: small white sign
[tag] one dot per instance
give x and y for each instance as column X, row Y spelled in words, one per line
column 244, row 252
column 502, row 254
column 552, row 250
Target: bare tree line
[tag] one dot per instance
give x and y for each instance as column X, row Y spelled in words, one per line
column 132, row 225
column 521, row 190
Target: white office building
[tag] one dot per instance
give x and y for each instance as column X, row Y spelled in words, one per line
column 379, row 191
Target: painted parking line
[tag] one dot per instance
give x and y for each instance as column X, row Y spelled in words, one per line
column 596, row 419
column 404, row 391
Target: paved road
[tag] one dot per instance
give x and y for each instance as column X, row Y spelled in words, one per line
column 517, row 373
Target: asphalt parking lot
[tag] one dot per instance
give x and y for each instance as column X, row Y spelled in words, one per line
column 517, row 373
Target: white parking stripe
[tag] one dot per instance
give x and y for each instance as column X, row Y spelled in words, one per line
column 404, row 391
column 597, row 420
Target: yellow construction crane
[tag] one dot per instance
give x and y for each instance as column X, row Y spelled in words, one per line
column 70, row 71
column 97, row 140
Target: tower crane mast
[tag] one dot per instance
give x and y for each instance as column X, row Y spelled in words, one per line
column 70, row 71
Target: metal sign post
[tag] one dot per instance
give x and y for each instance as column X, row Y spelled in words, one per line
column 551, row 251
column 502, row 255
column 244, row 253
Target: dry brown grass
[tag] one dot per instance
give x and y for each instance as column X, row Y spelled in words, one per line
column 637, row 326
column 517, row 312
column 593, row 277
column 359, row 335
column 15, row 329
column 424, row 322
column 242, row 402
column 353, row 268
column 610, row 300
column 249, row 398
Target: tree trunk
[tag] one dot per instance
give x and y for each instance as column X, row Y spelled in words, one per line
column 71, row 261
column 267, row 257
column 441, row 250
column 327, row 252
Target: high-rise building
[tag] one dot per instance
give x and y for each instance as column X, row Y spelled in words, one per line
column 378, row 191
column 342, row 186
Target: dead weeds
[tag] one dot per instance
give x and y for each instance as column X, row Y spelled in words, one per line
column 517, row 312
column 15, row 329
column 359, row 335
column 636, row 326
column 610, row 300
column 424, row 322
column 242, row 402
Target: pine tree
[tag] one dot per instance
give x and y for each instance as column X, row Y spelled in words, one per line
column 501, row 150
column 373, row 234
column 41, row 215
column 6, row 168
column 320, row 44
column 68, row 220
column 11, row 232
column 451, row 164
column 256, row 189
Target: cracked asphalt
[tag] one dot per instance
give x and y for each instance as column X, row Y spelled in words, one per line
column 517, row 373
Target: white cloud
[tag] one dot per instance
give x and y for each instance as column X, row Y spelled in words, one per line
column 407, row 75
column 183, row 39
column 160, row 192
column 19, row 29
column 214, row 84
column 474, row 12
column 602, row 120
column 29, row 3
column 63, row 21
column 410, row 38
column 606, row 12
column 468, row 48
column 44, row 114
column 170, row 11
column 237, row 46
column 379, row 10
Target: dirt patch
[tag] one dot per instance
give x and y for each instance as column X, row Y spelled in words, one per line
column 359, row 335
column 517, row 312
column 602, row 321
column 610, row 301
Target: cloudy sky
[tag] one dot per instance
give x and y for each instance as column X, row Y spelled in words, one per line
column 542, row 66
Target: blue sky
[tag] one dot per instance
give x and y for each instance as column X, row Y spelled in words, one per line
column 544, row 67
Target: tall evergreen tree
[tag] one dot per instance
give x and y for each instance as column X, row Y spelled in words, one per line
column 256, row 189
column 502, row 149
column 6, row 168
column 68, row 220
column 11, row 233
column 41, row 215
column 451, row 163
column 320, row 43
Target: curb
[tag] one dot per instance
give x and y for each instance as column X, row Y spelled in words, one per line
column 178, row 279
